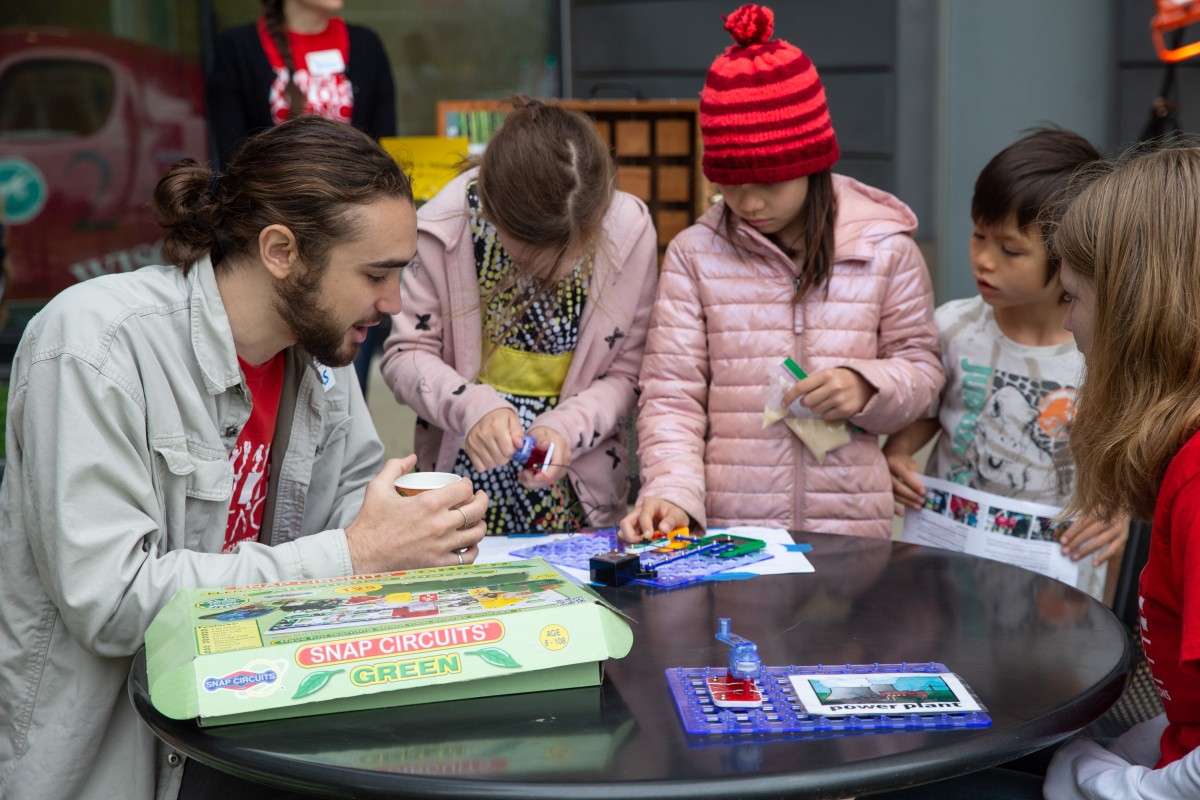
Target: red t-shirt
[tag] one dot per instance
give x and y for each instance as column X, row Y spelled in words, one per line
column 251, row 459
column 320, row 60
column 1170, row 602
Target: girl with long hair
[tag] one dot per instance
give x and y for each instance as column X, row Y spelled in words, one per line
column 1130, row 249
column 525, row 315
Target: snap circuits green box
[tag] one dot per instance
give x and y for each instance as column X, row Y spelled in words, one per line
column 278, row 650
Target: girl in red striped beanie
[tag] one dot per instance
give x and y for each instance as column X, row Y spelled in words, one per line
column 793, row 262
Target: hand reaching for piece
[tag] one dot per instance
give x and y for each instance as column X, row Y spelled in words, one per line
column 560, row 459
column 494, row 439
column 652, row 514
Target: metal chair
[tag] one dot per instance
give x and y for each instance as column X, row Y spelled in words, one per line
column 1140, row 701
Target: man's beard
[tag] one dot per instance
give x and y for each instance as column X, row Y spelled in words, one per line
column 297, row 301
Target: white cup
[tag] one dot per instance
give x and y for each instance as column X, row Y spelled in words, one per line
column 413, row 483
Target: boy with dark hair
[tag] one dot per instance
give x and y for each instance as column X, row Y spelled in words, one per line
column 1011, row 367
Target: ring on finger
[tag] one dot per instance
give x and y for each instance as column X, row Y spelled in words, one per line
column 466, row 522
column 460, row 557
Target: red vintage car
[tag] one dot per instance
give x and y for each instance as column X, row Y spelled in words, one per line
column 88, row 124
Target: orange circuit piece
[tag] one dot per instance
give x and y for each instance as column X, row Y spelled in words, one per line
column 672, row 539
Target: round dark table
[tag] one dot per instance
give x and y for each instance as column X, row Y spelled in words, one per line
column 1043, row 658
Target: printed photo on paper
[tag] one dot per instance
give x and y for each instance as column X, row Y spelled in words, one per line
column 871, row 693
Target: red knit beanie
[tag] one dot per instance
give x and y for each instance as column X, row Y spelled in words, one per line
column 763, row 116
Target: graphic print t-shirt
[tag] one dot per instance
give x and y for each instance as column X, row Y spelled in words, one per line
column 1005, row 410
column 1169, row 602
column 251, row 458
column 320, row 60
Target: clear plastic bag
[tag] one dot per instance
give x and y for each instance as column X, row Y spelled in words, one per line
column 818, row 435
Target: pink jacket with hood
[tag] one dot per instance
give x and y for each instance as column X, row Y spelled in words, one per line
column 433, row 356
column 724, row 321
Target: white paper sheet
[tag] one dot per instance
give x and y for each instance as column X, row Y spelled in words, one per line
column 1016, row 532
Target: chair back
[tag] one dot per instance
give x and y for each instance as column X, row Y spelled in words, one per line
column 1140, row 700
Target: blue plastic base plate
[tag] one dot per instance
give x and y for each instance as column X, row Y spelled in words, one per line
column 782, row 712
column 577, row 551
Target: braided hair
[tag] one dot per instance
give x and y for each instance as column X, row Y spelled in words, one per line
column 273, row 17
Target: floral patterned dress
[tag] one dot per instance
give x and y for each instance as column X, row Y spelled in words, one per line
column 548, row 325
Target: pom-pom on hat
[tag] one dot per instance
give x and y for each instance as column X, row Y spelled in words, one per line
column 763, row 116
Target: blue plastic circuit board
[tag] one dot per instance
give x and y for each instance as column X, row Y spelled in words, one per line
column 782, row 712
column 577, row 551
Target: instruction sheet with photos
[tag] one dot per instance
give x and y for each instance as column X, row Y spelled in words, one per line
column 1017, row 532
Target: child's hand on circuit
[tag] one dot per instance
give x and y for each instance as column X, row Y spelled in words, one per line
column 652, row 514
column 832, row 394
column 494, row 439
column 1088, row 535
column 907, row 488
column 559, row 460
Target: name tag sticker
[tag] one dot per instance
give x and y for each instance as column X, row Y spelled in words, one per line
column 325, row 62
column 328, row 381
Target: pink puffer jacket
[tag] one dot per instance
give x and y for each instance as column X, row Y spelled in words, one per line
column 723, row 323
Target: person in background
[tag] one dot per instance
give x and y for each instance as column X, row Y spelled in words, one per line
column 1130, row 250
column 300, row 58
column 794, row 261
column 1012, row 369
column 196, row 425
column 297, row 58
column 525, row 314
